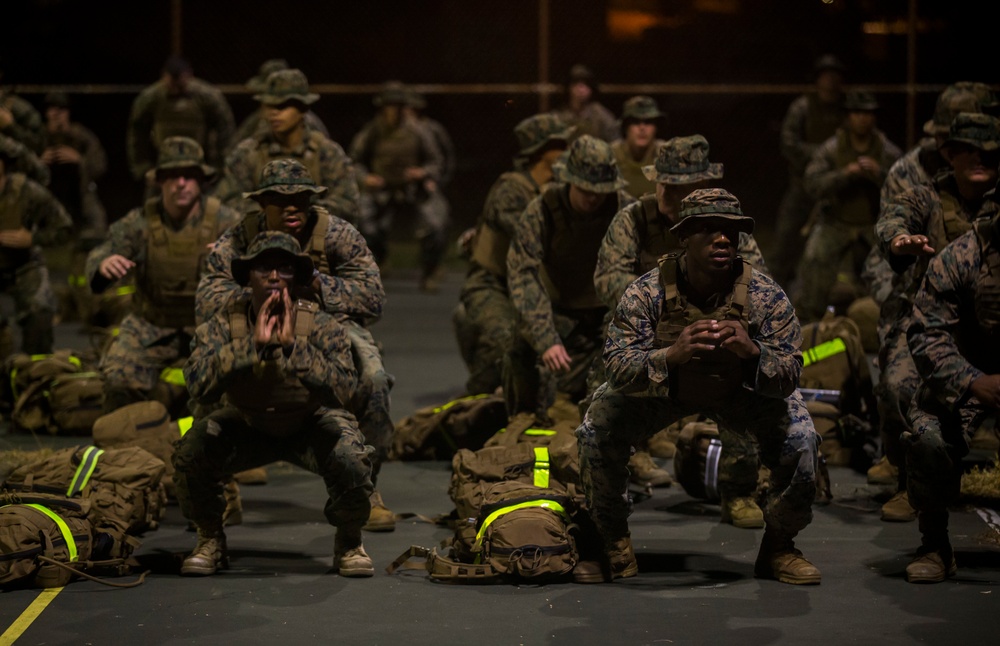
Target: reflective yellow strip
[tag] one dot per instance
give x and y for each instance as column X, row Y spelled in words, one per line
column 185, row 424
column 173, row 376
column 77, row 281
column 823, row 351
column 545, row 504
column 115, row 331
column 460, row 399
column 542, row 467
column 539, row 432
column 83, row 472
column 125, row 291
column 63, row 529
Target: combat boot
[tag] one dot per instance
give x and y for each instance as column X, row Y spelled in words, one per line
column 898, row 509
column 662, row 446
column 742, row 512
column 778, row 559
column 233, row 515
column 208, row 556
column 932, row 565
column 644, row 471
column 619, row 563
column 349, row 556
column 256, row 476
column 883, row 473
column 380, row 519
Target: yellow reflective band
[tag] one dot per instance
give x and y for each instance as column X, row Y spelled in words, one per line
column 460, row 399
column 125, row 290
column 115, row 331
column 63, row 529
column 542, row 467
column 38, row 357
column 173, row 376
column 185, row 424
column 539, row 432
column 823, row 351
column 83, row 472
column 551, row 505
column 77, row 281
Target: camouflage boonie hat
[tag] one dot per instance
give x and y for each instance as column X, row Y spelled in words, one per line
column 415, row 99
column 975, row 129
column 860, row 101
column 710, row 204
column 950, row 103
column 640, row 108
column 828, row 62
column 181, row 152
column 984, row 94
column 258, row 82
column 57, row 99
column 392, row 93
column 535, row 132
column 273, row 241
column 285, row 176
column 590, row 164
column 286, row 85
column 683, row 160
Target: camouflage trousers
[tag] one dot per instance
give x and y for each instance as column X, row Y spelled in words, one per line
column 427, row 213
column 786, row 250
column 486, row 329
column 136, row 359
column 371, row 397
column 897, row 385
column 782, row 429
column 829, row 247
column 34, row 303
column 328, row 444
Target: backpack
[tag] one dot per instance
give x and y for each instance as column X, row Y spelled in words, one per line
column 30, row 380
column 75, row 403
column 524, row 427
column 146, row 425
column 437, row 432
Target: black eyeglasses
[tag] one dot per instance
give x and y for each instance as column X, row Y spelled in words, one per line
column 287, row 272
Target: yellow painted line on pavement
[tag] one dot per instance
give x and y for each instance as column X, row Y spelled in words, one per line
column 29, row 615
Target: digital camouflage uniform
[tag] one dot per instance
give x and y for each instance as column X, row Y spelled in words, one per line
column 255, row 125
column 169, row 258
column 26, row 125
column 638, row 108
column 550, row 275
column 279, row 406
column 642, row 395
column 24, row 160
column 326, row 161
column 592, row 119
column 485, row 328
column 439, row 133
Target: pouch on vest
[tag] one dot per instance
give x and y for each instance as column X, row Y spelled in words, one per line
column 437, row 432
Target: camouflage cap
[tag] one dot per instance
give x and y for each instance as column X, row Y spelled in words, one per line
column 975, row 129
column 828, row 62
column 640, row 108
column 258, row 82
column 273, row 242
column 285, row 176
column 860, row 101
column 535, row 132
column 590, row 164
column 57, row 99
column 710, row 204
column 286, row 85
column 415, row 99
column 683, row 160
column 181, row 152
column 392, row 93
column 984, row 94
column 950, row 103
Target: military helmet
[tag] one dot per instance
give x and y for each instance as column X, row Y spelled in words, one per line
column 273, row 242
column 682, row 160
column 536, row 131
column 258, row 83
column 392, row 93
column 981, row 131
column 950, row 103
column 710, row 204
column 286, row 85
column 590, row 164
column 285, row 176
column 181, row 152
column 860, row 101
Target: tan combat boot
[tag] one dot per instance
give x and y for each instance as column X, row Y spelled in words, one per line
column 621, row 558
column 883, row 473
column 662, row 445
column 380, row 519
column 208, row 556
column 932, row 565
column 742, row 512
column 778, row 559
column 233, row 515
column 643, row 471
column 349, row 556
column 898, row 509
column 256, row 476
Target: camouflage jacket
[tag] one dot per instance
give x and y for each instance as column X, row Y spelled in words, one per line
column 594, row 120
column 364, row 143
column 26, row 126
column 256, row 126
column 93, row 159
column 636, row 366
column 827, row 180
column 219, row 124
column 506, row 201
column 796, row 146
column 25, row 161
column 525, row 261
column 619, row 260
column 354, row 291
column 42, row 214
column 631, row 168
column 336, row 172
column 445, row 145
column 324, row 365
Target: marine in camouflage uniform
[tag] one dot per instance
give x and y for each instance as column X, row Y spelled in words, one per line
column 636, row 239
column 178, row 105
column 30, row 218
column 286, row 372
column 285, row 99
column 486, row 319
column 19, row 120
column 583, row 111
column 637, row 148
column 163, row 246
column 953, row 338
column 24, row 161
column 707, row 304
column 845, row 176
column 549, row 271
column 914, row 225
column 255, row 125
column 347, row 285
column 416, row 110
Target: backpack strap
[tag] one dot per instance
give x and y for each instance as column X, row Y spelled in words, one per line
column 741, row 289
column 441, row 568
column 305, row 318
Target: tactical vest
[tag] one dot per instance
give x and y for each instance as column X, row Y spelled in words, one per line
column 316, row 248
column 709, row 378
column 655, row 237
column 12, row 215
column 490, row 250
column 822, row 120
column 179, row 116
column 277, row 408
column 571, row 249
column 953, row 222
column 631, row 169
column 166, row 287
column 269, row 150
column 859, row 206
column 393, row 152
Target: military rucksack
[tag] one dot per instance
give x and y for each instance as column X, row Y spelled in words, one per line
column 524, row 427
column 437, row 432
column 53, row 392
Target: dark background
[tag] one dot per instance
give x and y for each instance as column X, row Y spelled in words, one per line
column 768, row 44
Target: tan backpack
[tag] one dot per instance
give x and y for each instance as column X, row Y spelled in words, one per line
column 28, row 387
column 146, row 425
column 437, row 432
column 525, row 428
column 75, row 403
